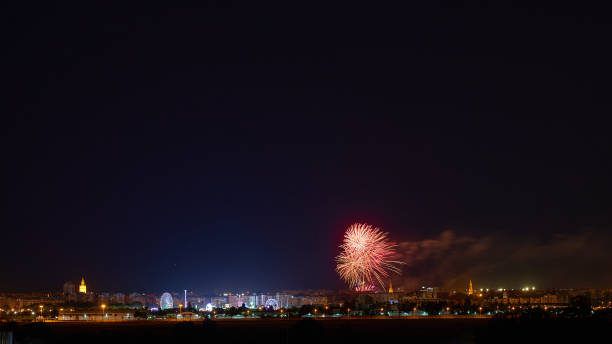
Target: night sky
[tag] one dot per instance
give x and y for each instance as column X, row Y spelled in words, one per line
column 228, row 147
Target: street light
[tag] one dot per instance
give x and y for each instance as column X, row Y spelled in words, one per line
column 42, row 318
column 103, row 308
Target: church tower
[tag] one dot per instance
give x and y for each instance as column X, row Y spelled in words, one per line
column 83, row 287
column 390, row 287
column 470, row 290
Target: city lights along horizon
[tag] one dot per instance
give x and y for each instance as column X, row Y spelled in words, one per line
column 366, row 257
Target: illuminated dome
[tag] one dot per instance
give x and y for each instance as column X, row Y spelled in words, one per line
column 166, row 301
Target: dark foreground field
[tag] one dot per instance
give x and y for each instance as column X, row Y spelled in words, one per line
column 318, row 331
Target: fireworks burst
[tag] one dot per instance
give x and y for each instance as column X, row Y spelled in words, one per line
column 366, row 258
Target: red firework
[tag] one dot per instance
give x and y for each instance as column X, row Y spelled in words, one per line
column 366, row 257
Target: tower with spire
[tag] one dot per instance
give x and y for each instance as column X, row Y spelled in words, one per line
column 470, row 289
column 83, row 287
column 390, row 287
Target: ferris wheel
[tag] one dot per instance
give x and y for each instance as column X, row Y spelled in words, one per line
column 166, row 301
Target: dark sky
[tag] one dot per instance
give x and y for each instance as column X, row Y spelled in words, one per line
column 228, row 147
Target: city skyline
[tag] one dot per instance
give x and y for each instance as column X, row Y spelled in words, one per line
column 71, row 288
column 82, row 305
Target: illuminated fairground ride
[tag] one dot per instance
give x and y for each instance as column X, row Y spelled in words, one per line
column 165, row 302
column 271, row 303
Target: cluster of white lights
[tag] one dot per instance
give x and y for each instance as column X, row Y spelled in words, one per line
column 527, row 288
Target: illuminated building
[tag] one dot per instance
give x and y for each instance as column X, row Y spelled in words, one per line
column 252, row 301
column 83, row 287
column 283, row 299
column 390, row 287
column 237, row 300
column 218, row 301
column 114, row 315
column 195, row 301
column 470, row 289
column 427, row 293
